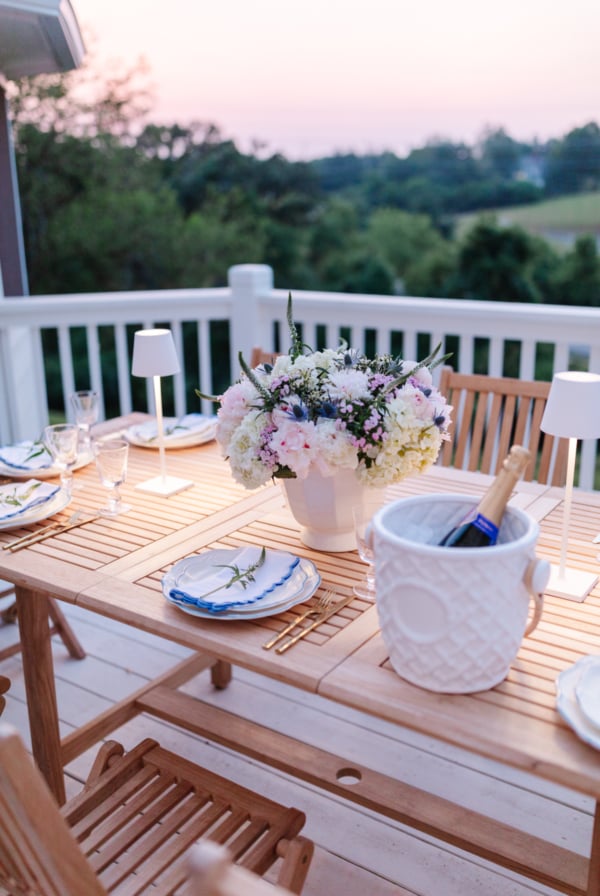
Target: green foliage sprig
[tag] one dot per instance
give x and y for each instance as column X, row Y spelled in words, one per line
column 239, row 576
column 15, row 500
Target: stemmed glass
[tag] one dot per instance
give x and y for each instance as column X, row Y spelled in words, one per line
column 111, row 463
column 61, row 441
column 85, row 404
column 362, row 515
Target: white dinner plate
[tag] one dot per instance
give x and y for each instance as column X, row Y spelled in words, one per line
column 83, row 460
column 568, row 704
column 258, row 611
column 280, row 578
column 41, row 512
column 587, row 692
column 140, row 434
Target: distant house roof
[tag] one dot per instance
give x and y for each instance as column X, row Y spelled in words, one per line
column 38, row 37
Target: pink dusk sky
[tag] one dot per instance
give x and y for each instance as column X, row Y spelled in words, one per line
column 323, row 76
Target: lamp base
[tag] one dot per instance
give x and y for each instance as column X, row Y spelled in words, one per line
column 164, row 485
column 574, row 584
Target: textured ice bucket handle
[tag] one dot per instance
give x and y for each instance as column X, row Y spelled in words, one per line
column 535, row 579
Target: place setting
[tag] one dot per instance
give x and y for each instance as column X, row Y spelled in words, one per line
column 578, row 698
column 187, row 431
column 60, row 449
column 28, row 501
column 31, row 501
column 240, row 583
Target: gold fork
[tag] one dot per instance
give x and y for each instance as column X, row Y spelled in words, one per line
column 329, row 611
column 321, row 605
column 24, row 540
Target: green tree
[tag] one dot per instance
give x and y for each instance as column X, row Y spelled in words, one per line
column 114, row 240
column 577, row 279
column 225, row 232
column 496, row 264
column 401, row 238
column 573, row 164
column 500, row 154
column 433, row 273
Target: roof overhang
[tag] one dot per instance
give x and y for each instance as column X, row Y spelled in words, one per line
column 38, row 37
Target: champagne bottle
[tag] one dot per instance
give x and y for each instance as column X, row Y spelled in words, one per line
column 480, row 527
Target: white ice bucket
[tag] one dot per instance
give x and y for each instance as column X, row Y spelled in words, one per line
column 453, row 618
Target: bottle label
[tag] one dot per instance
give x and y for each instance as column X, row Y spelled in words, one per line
column 486, row 526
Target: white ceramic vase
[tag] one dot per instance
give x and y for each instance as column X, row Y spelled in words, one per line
column 323, row 507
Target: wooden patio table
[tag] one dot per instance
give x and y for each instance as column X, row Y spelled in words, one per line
column 114, row 567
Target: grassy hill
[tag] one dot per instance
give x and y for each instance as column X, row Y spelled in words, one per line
column 560, row 221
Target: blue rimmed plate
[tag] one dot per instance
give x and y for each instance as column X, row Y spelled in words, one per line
column 568, row 704
column 281, row 599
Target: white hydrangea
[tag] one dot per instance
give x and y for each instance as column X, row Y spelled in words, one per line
column 349, row 384
column 246, row 465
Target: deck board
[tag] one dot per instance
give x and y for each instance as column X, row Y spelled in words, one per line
column 357, row 852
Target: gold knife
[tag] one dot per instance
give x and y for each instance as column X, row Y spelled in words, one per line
column 323, row 618
column 35, row 539
column 322, row 605
column 25, row 538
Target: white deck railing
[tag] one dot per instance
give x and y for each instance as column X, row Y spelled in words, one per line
column 253, row 313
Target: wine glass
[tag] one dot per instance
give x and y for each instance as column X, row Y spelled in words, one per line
column 61, row 441
column 111, row 463
column 362, row 515
column 85, row 404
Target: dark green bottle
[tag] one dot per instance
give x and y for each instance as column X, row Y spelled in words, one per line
column 480, row 527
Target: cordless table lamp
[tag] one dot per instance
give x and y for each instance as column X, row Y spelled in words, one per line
column 154, row 356
column 572, row 412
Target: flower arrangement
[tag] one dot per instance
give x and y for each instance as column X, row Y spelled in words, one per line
column 331, row 410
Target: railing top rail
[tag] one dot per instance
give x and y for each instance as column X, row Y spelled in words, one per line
column 116, row 307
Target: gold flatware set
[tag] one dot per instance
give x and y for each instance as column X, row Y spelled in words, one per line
column 324, row 609
column 49, row 531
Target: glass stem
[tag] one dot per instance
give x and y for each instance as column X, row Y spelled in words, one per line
column 66, row 481
column 114, row 500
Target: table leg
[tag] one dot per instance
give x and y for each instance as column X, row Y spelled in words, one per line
column 593, row 886
column 220, row 674
column 38, row 671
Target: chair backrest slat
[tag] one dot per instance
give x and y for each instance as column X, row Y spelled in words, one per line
column 491, row 414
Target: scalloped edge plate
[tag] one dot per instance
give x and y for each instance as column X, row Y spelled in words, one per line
column 48, row 509
column 587, row 692
column 44, row 472
column 188, row 440
column 568, row 705
column 311, row 583
column 190, row 568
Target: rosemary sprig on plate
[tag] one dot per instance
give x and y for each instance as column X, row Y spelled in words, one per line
column 15, row 500
column 37, row 449
column 239, row 576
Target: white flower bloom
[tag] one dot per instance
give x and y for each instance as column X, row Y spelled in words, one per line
column 349, row 384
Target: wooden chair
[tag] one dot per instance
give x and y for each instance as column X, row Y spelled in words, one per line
column 260, row 356
column 129, row 829
column 492, row 413
column 4, row 686
column 58, row 626
column 212, row 873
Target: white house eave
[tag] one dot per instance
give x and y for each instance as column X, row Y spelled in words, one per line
column 38, row 37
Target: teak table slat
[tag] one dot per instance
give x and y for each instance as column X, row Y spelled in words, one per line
column 114, row 567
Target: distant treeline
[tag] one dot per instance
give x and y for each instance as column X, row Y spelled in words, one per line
column 110, row 205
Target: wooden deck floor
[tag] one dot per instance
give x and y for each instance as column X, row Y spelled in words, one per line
column 358, row 853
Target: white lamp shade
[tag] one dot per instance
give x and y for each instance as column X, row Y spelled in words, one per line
column 573, row 406
column 154, row 354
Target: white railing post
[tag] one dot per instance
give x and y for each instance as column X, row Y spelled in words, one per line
column 248, row 283
column 23, row 406
column 22, row 385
